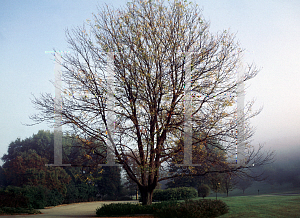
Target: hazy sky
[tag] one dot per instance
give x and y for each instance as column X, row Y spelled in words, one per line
column 268, row 30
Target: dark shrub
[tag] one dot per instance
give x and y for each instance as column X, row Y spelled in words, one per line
column 86, row 192
column 13, row 200
column 13, row 189
column 181, row 193
column 18, row 210
column 203, row 191
column 36, row 196
column 194, row 209
column 53, row 198
column 125, row 198
column 130, row 209
column 80, row 193
column 167, row 209
column 119, row 209
column 72, row 195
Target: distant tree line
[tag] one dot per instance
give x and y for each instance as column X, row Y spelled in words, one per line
column 284, row 171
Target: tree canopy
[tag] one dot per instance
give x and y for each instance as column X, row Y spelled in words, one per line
column 24, row 164
column 29, row 169
column 135, row 71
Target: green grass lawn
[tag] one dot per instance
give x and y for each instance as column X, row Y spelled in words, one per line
column 262, row 206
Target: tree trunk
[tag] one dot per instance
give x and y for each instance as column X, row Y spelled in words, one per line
column 146, row 195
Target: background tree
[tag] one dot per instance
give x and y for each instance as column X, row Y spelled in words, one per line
column 42, row 143
column 228, row 182
column 149, row 38
column 203, row 191
column 283, row 172
column 110, row 186
column 76, row 151
column 25, row 167
column 243, row 184
column 25, row 161
column 3, row 182
column 29, row 169
column 216, row 184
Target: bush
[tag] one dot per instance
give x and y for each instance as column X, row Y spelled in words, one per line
column 18, row 210
column 36, row 197
column 194, row 209
column 203, row 191
column 181, row 193
column 72, row 195
column 39, row 197
column 80, row 193
column 13, row 200
column 131, row 209
column 54, row 198
column 13, row 189
column 124, row 198
column 167, row 209
column 119, row 209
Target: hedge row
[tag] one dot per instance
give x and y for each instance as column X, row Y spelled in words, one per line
column 167, row 209
column 36, row 197
column 194, row 209
column 119, row 209
column 181, row 193
column 80, row 193
column 39, row 197
column 17, row 210
column 9, row 200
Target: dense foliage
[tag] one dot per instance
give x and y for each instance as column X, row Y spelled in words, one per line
column 17, row 210
column 36, row 197
column 181, row 193
column 194, row 209
column 169, row 209
column 203, row 191
column 24, row 169
column 28, row 168
column 131, row 209
column 10, row 199
column 80, row 193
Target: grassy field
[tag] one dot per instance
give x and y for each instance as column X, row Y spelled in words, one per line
column 262, row 206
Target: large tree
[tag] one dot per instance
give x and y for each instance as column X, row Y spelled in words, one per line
column 147, row 42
